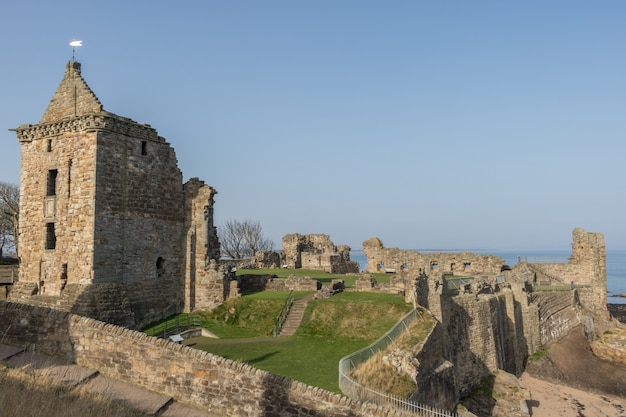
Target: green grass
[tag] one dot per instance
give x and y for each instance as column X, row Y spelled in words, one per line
column 321, row 276
column 313, row 361
column 332, row 328
column 537, row 355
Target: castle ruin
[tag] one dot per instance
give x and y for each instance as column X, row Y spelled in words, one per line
column 314, row 251
column 110, row 229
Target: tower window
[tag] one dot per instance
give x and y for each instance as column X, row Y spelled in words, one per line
column 49, row 146
column 144, row 147
column 51, row 238
column 160, row 266
column 51, row 189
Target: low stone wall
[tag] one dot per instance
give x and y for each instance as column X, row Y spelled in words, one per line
column 191, row 376
column 367, row 283
column 251, row 282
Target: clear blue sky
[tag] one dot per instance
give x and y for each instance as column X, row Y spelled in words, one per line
column 428, row 124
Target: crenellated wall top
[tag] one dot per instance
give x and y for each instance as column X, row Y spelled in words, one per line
column 104, row 121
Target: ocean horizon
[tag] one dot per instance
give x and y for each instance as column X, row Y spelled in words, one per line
column 615, row 264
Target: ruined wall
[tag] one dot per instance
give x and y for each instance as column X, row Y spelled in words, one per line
column 317, row 252
column 267, row 259
column 557, row 312
column 205, row 280
column 381, row 259
column 434, row 374
column 219, row 385
column 396, row 285
column 586, row 268
column 272, row 283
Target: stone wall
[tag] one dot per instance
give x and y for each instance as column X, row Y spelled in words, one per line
column 381, row 259
column 272, row 283
column 434, row 374
column 219, row 385
column 558, row 314
column 102, row 202
column 367, row 283
column 316, row 252
column 204, row 279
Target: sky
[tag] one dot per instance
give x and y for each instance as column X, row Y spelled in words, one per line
column 457, row 125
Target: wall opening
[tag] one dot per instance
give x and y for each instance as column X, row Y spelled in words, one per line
column 51, row 187
column 49, row 146
column 51, row 238
column 434, row 266
column 144, row 147
column 160, row 264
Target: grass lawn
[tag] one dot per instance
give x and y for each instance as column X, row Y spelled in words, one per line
column 332, row 328
column 312, row 360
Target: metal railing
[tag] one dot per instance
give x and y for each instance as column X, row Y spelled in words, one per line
column 175, row 326
column 357, row 391
column 283, row 314
column 543, row 259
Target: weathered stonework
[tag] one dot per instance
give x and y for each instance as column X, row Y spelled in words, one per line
column 498, row 327
column 248, row 283
column 394, row 260
column 102, row 202
column 317, row 252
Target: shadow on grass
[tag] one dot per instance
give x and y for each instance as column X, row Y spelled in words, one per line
column 261, row 358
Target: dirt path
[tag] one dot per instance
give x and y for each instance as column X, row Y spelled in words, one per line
column 554, row 400
column 570, row 381
column 570, row 361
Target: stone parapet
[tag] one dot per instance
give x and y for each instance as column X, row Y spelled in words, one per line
column 215, row 384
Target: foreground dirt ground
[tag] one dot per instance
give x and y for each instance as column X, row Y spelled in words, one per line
column 556, row 400
column 571, row 382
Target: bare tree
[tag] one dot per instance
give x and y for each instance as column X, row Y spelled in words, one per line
column 9, row 212
column 242, row 239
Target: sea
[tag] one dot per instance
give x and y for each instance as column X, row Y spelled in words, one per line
column 615, row 265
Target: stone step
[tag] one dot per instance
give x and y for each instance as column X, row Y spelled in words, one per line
column 295, row 316
column 131, row 395
column 89, row 380
column 46, row 366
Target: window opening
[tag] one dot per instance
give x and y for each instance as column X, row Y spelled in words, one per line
column 69, row 178
column 434, row 266
column 49, row 146
column 144, row 147
column 51, row 238
column 159, row 266
column 51, row 189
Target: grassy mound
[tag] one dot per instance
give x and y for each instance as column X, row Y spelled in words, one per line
column 332, row 328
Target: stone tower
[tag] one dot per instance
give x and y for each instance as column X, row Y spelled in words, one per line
column 105, row 217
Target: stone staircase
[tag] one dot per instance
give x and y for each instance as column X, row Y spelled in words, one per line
column 295, row 316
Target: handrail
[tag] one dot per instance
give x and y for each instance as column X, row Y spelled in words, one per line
column 357, row 391
column 170, row 327
column 283, row 314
